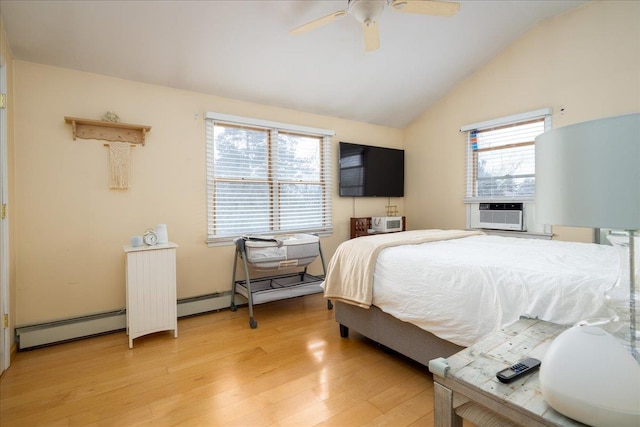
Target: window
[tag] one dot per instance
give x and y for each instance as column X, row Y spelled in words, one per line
column 501, row 157
column 266, row 178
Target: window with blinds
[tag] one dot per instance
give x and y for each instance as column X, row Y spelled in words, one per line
column 501, row 157
column 266, row 178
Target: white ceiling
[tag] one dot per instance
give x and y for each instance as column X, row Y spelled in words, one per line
column 243, row 50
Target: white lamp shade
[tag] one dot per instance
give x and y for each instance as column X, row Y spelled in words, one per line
column 588, row 174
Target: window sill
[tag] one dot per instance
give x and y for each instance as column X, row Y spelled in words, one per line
column 228, row 241
column 469, row 201
column 521, row 234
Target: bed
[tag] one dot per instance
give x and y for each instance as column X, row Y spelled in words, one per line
column 430, row 293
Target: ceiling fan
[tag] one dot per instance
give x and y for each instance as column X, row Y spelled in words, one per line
column 367, row 12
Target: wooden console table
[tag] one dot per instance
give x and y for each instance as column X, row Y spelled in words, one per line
column 360, row 226
column 465, row 384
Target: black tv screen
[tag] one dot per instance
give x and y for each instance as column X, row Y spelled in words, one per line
column 368, row 171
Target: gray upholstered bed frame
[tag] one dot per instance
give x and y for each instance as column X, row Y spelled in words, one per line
column 403, row 337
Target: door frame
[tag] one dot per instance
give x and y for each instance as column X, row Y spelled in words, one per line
column 5, row 338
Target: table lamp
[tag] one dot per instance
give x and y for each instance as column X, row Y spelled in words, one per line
column 588, row 175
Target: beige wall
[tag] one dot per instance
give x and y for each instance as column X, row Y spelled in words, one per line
column 6, row 58
column 71, row 227
column 586, row 61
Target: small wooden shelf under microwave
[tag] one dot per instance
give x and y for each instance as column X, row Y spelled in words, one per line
column 361, row 226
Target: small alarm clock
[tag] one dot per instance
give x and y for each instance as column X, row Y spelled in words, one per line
column 150, row 237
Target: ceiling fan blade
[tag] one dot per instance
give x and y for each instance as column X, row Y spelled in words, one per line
column 316, row 23
column 371, row 36
column 426, row 7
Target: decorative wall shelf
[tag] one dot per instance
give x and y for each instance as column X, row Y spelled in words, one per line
column 108, row 131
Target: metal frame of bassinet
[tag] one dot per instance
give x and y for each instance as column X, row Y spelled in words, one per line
column 269, row 283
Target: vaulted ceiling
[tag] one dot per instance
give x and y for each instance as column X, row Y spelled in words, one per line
column 243, row 49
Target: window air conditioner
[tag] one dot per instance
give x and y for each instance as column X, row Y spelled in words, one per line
column 502, row 216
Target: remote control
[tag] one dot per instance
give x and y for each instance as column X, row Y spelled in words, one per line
column 519, row 369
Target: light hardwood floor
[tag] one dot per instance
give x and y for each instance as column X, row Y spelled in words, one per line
column 293, row 370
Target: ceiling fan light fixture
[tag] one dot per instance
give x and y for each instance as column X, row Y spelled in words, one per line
column 366, row 10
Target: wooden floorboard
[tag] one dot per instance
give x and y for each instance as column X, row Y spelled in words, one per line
column 293, row 370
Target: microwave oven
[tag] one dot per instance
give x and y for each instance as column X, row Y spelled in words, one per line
column 386, row 224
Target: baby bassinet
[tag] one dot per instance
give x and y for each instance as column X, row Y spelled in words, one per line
column 274, row 253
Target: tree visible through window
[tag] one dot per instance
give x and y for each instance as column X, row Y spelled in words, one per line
column 266, row 180
column 501, row 161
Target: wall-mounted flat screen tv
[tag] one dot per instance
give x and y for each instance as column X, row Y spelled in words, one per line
column 368, row 171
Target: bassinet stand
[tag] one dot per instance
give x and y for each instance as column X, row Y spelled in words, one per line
column 272, row 288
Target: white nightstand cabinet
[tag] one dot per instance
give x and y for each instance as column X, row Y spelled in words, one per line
column 151, row 290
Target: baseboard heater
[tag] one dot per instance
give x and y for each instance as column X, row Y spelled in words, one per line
column 34, row 336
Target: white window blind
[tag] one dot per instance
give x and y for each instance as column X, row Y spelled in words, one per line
column 501, row 157
column 263, row 179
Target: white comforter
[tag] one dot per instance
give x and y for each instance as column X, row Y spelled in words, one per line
column 349, row 277
column 464, row 289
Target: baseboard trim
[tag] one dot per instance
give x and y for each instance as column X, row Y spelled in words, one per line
column 34, row 336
